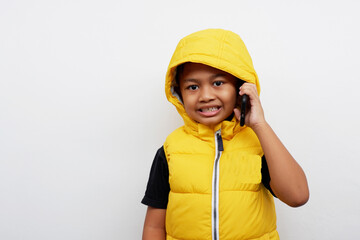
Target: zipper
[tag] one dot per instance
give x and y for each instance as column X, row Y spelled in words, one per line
column 215, row 186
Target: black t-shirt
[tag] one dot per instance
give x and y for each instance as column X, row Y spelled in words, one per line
column 158, row 187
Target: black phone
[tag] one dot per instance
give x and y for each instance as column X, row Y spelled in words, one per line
column 244, row 99
column 243, row 105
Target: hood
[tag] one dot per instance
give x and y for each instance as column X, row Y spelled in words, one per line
column 217, row 48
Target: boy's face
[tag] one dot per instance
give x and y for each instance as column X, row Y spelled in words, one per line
column 209, row 94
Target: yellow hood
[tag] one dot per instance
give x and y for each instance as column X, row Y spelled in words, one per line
column 217, row 48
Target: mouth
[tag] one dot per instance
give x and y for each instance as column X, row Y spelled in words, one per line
column 209, row 112
column 211, row 109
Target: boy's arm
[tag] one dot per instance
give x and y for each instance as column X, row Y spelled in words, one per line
column 288, row 181
column 154, row 226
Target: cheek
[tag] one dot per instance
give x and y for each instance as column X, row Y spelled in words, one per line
column 188, row 103
column 232, row 99
column 189, row 98
column 235, row 99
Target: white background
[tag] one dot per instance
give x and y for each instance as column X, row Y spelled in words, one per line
column 83, row 109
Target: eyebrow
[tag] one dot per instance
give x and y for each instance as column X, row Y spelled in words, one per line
column 218, row 75
column 191, row 80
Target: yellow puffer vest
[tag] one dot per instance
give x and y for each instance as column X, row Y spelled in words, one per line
column 215, row 173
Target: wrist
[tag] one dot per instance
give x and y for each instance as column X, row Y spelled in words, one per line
column 260, row 127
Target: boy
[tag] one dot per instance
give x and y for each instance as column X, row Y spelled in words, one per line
column 214, row 179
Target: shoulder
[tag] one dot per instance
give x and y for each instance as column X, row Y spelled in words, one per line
column 248, row 134
column 175, row 133
column 246, row 139
column 172, row 139
column 175, row 137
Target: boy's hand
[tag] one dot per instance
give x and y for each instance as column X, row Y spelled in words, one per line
column 255, row 115
column 288, row 180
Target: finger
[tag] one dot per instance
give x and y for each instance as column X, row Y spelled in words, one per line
column 254, row 103
column 248, row 87
column 250, row 90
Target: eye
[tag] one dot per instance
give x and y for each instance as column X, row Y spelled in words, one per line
column 218, row 83
column 193, row 87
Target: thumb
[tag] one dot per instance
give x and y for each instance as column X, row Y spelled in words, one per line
column 237, row 113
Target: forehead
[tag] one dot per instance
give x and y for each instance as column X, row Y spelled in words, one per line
column 190, row 72
column 190, row 68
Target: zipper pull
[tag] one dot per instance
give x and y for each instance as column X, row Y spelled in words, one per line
column 219, row 141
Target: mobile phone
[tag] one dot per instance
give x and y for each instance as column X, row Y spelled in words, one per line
column 243, row 104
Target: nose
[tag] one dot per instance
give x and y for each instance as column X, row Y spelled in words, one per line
column 206, row 94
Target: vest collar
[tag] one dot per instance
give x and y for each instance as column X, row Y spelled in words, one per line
column 228, row 129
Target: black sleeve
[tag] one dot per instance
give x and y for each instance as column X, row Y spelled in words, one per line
column 265, row 175
column 158, row 187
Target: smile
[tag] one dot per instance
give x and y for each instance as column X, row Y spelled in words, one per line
column 212, row 109
column 209, row 112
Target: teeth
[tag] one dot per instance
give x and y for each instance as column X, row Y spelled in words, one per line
column 209, row 109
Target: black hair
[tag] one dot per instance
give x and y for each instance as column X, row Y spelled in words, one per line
column 239, row 83
column 179, row 71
